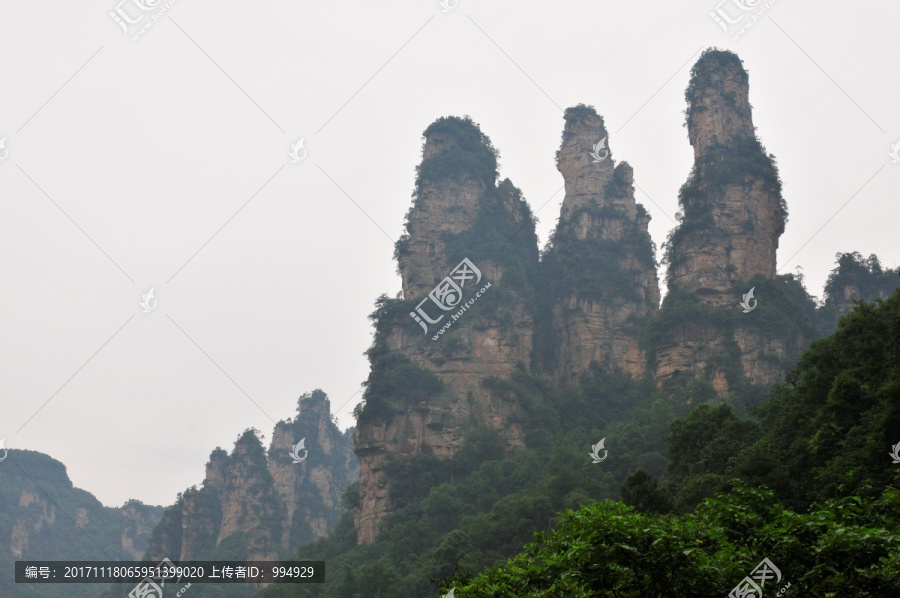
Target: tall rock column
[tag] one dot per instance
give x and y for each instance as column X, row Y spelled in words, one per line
column 733, row 211
column 732, row 216
column 467, row 263
column 599, row 272
column 311, row 490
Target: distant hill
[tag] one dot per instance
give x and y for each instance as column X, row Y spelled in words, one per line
column 44, row 517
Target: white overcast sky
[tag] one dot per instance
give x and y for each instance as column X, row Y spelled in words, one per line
column 125, row 158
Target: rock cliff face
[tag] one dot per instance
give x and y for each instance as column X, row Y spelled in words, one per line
column 461, row 213
column 467, row 262
column 725, row 244
column 43, row 514
column 140, row 519
column 600, row 270
column 258, row 506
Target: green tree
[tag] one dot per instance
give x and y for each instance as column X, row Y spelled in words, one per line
column 641, row 491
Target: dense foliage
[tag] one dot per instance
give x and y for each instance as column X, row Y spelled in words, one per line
column 830, row 522
column 822, row 435
column 475, row 510
column 502, row 234
column 471, row 152
column 594, row 269
column 822, row 445
column 394, row 383
column 581, row 112
column 844, row 547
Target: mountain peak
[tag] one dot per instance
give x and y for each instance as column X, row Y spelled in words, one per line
column 718, row 98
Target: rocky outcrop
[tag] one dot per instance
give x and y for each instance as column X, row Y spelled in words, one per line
column 258, row 506
column 732, row 217
column 311, row 490
column 599, row 271
column 733, row 212
column 236, row 504
column 468, row 261
column 248, row 501
column 854, row 279
column 140, row 519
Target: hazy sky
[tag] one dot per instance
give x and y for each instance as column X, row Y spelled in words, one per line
column 163, row 162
